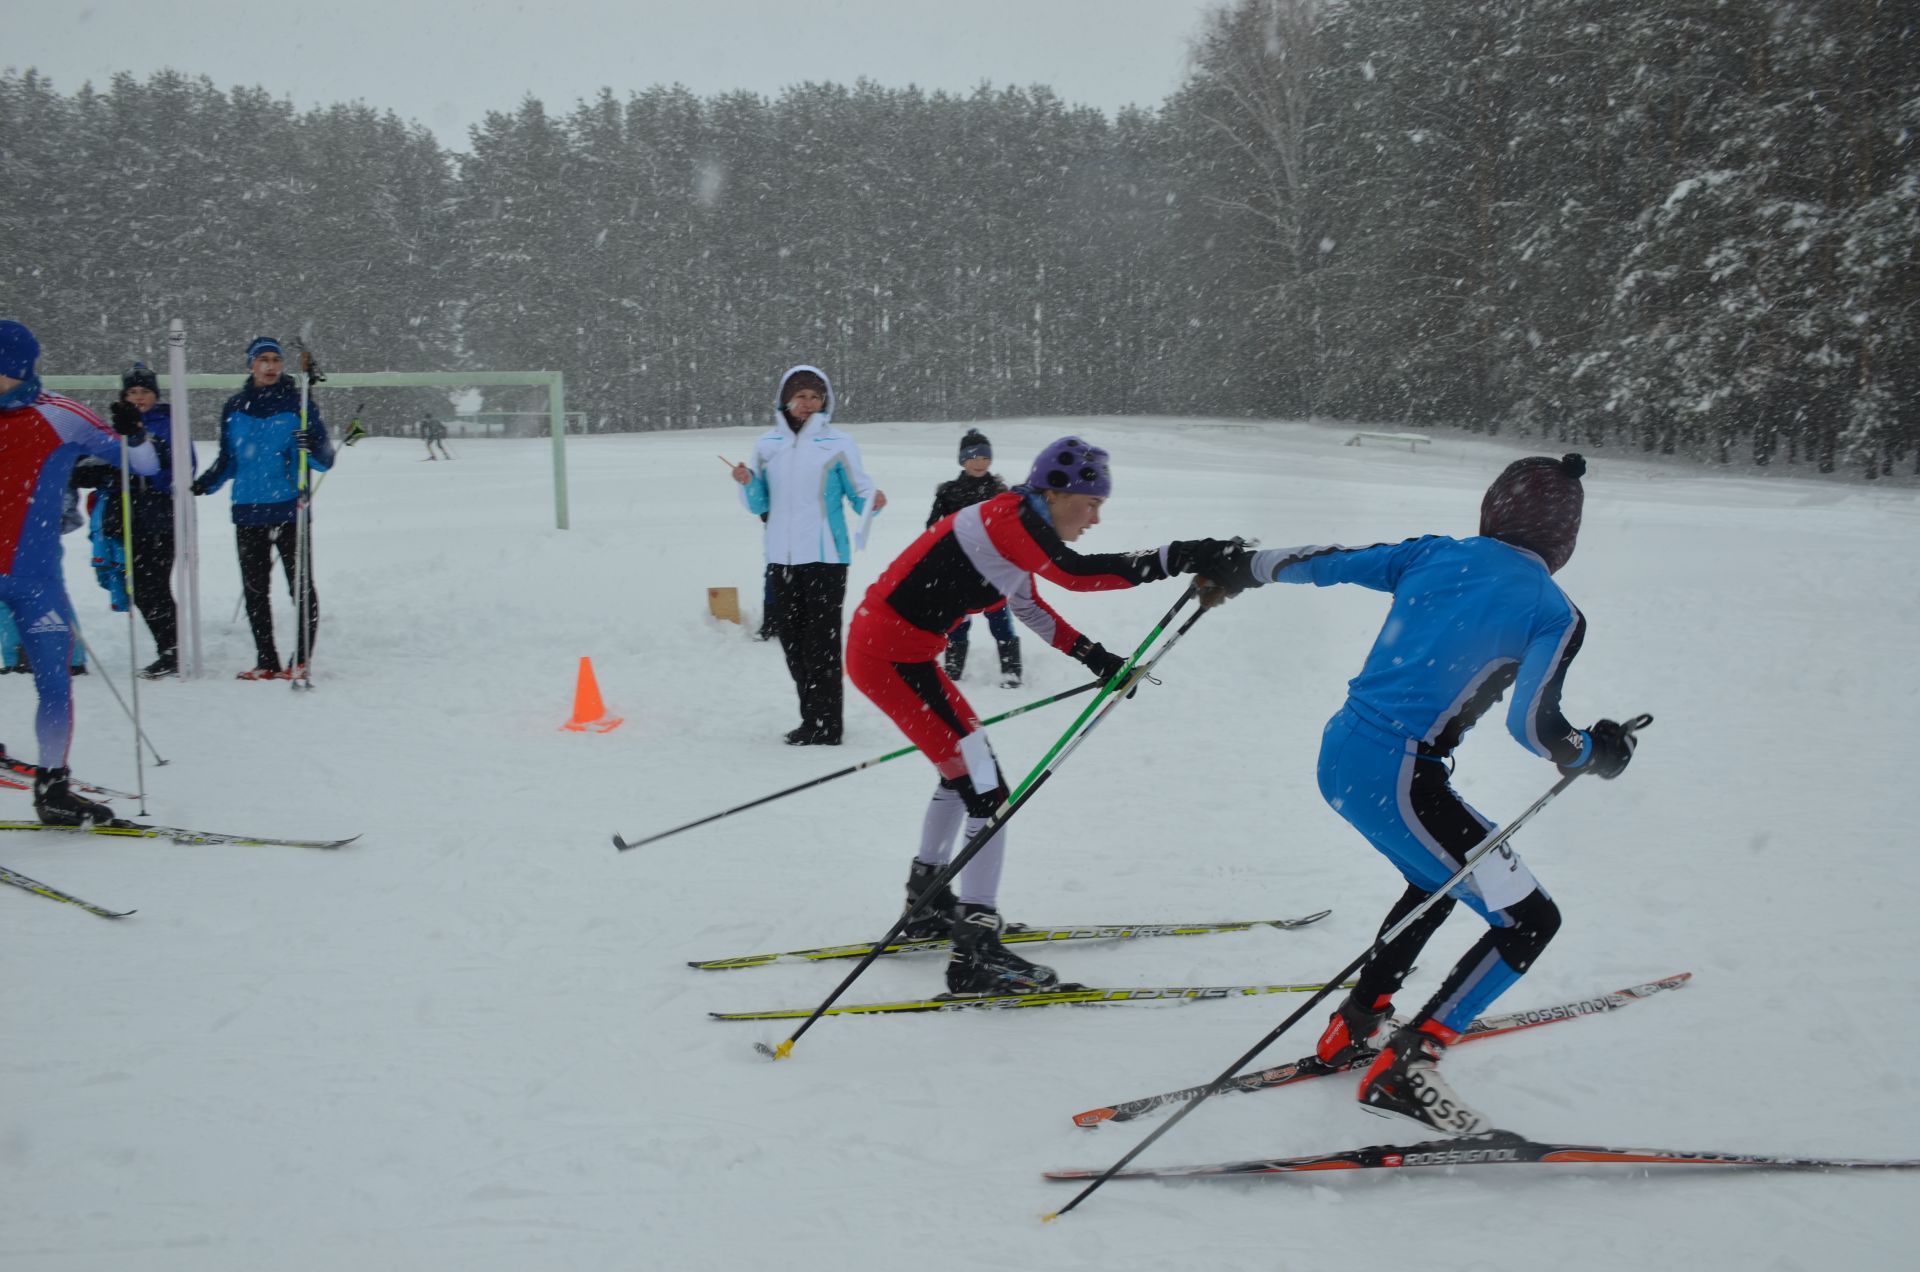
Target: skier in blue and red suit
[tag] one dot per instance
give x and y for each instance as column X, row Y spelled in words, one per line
column 1470, row 619
column 985, row 555
column 41, row 437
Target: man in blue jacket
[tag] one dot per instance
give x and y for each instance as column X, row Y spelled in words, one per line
column 260, row 444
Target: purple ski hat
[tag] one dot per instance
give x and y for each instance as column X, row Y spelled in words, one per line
column 1071, row 466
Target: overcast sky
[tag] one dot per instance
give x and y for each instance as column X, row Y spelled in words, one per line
column 446, row 65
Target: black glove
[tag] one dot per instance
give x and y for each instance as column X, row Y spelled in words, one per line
column 125, row 417
column 309, row 437
column 1611, row 749
column 201, row 485
column 1190, row 556
column 1223, row 561
column 1101, row 661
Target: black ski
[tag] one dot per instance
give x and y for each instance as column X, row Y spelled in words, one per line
column 122, row 829
column 26, row 884
column 1501, row 1148
column 1313, row 1067
column 1022, row 935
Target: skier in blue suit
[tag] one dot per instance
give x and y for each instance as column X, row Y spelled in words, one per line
column 1470, row 619
column 260, row 444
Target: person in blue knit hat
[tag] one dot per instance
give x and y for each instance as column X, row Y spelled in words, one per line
column 260, row 444
column 41, row 437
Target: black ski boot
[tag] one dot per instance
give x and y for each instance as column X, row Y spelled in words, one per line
column 1010, row 664
column 59, row 806
column 981, row 965
column 937, row 919
column 160, row 668
column 955, row 661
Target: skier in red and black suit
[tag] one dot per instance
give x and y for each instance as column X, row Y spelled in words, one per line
column 965, row 564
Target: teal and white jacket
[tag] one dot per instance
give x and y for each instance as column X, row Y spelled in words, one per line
column 803, row 483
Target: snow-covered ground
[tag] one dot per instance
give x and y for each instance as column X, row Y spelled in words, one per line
column 471, row 1041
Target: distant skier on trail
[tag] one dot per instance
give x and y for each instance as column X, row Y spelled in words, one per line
column 981, row 556
column 1470, row 619
column 260, row 445
column 41, row 437
column 975, row 484
column 434, row 433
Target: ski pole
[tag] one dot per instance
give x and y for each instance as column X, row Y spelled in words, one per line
column 354, row 433
column 133, row 603
column 302, row 645
column 1111, row 694
column 1488, row 845
column 624, row 845
column 138, row 731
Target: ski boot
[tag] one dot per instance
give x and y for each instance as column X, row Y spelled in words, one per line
column 981, row 965
column 955, row 661
column 57, row 805
column 1010, row 664
column 1405, row 1082
column 1351, row 1031
column 160, row 668
column 937, row 918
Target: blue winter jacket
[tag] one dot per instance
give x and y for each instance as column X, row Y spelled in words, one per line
column 260, row 452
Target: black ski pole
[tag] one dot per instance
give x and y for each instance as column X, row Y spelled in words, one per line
column 1488, row 845
column 625, row 844
column 1111, row 693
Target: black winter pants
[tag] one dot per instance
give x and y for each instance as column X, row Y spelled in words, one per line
column 807, row 600
column 153, row 584
column 257, row 545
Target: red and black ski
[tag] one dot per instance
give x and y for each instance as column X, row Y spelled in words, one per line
column 1501, row 1148
column 1313, row 1067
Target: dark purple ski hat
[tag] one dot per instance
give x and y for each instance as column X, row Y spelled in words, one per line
column 1071, row 466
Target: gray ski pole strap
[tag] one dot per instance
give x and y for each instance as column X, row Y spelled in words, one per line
column 1487, row 845
column 1089, row 718
column 623, row 844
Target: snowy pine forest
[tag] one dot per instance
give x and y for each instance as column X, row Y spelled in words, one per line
column 1683, row 227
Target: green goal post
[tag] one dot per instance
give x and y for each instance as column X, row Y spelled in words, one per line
column 553, row 381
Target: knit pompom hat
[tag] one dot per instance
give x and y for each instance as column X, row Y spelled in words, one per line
column 1535, row 504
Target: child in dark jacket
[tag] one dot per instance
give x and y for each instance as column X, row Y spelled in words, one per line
column 152, row 501
column 976, row 485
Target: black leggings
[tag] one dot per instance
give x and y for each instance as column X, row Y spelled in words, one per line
column 807, row 600
column 257, row 545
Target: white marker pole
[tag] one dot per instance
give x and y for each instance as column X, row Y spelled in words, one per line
column 186, row 526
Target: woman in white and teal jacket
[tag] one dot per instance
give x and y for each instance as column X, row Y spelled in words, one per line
column 802, row 477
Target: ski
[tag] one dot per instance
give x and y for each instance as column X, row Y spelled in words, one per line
column 1065, row 996
column 1313, row 1067
column 26, row 884
column 1500, row 1148
column 1023, row 935
column 123, row 829
column 19, row 775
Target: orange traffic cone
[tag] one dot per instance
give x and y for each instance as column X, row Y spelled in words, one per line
column 589, row 713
